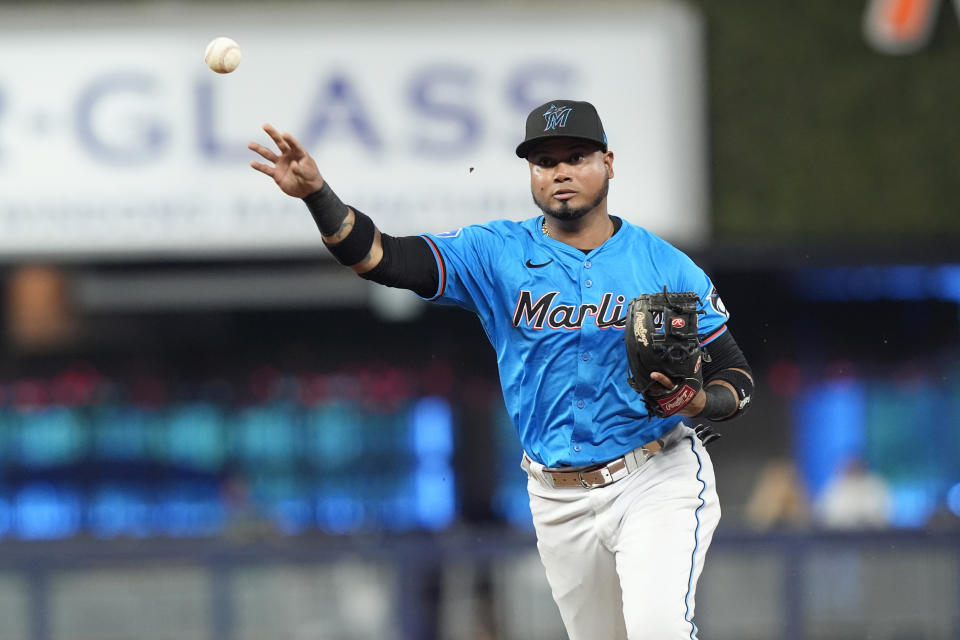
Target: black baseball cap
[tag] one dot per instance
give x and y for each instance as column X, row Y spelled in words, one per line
column 563, row 118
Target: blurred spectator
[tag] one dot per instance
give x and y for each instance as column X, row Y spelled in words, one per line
column 779, row 500
column 855, row 499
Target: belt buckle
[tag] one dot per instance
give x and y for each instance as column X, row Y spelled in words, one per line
column 608, row 478
column 583, row 483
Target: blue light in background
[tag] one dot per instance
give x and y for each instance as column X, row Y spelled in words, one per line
column 870, row 420
column 920, row 476
column 953, row 499
column 294, row 465
column 898, row 282
column 830, row 429
column 432, row 434
column 195, row 435
column 332, row 435
column 339, row 511
column 6, row 518
column 435, row 497
column 8, row 427
column 293, row 515
column 50, row 436
column 119, row 433
column 399, row 512
column 512, row 502
column 117, row 510
column 266, row 434
column 189, row 510
column 913, row 504
column 949, row 281
column 432, row 439
column 44, row 512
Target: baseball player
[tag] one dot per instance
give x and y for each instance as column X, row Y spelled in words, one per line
column 623, row 499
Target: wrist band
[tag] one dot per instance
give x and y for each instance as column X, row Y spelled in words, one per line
column 356, row 245
column 327, row 209
column 720, row 404
column 737, row 379
column 742, row 383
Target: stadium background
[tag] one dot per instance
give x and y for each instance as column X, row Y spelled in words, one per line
column 252, row 443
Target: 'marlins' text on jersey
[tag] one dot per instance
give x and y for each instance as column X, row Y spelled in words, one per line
column 543, row 312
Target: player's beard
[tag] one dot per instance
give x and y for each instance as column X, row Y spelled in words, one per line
column 563, row 211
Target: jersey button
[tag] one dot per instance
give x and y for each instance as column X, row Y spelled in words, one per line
column 587, row 264
column 585, row 356
column 576, row 447
column 588, row 283
column 581, row 404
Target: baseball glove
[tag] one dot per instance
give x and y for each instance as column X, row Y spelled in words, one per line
column 661, row 335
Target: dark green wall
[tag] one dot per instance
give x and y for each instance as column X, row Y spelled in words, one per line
column 816, row 136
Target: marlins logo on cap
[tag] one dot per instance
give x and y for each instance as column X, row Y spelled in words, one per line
column 563, row 118
column 556, row 116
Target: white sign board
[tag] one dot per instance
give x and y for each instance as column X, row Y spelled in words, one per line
column 116, row 141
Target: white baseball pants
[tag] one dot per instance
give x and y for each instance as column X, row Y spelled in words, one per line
column 623, row 560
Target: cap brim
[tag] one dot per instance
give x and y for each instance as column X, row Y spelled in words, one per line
column 524, row 148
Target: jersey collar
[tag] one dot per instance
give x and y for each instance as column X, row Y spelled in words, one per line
column 614, row 240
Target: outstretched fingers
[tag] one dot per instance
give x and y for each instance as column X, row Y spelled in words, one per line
column 277, row 138
column 263, row 168
column 266, row 153
column 294, row 144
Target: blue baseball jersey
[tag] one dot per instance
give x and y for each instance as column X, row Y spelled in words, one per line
column 555, row 316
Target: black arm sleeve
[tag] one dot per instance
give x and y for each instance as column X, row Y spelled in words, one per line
column 408, row 263
column 725, row 362
column 724, row 353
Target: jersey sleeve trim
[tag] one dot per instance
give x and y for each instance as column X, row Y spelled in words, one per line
column 713, row 336
column 441, row 268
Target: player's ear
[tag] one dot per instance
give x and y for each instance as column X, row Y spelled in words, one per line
column 608, row 163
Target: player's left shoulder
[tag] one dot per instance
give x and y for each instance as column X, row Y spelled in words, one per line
column 638, row 234
column 661, row 250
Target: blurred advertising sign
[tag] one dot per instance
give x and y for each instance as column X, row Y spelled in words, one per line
column 116, row 141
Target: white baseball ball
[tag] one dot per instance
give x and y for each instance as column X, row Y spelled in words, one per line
column 222, row 55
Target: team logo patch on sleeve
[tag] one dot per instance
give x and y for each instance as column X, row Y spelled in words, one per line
column 449, row 234
column 717, row 304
